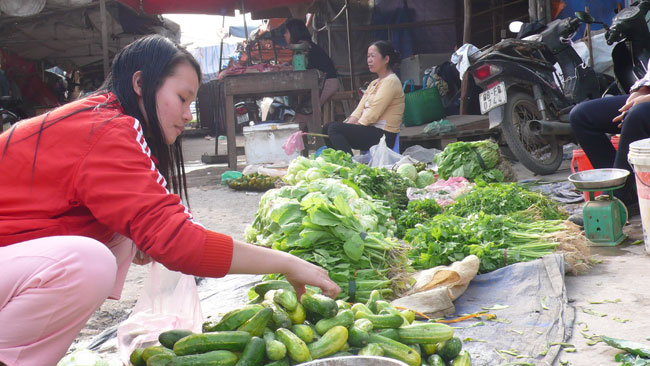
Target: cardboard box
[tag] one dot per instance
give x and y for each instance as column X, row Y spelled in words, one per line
column 413, row 67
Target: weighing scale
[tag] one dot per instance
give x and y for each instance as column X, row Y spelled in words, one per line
column 299, row 56
column 604, row 216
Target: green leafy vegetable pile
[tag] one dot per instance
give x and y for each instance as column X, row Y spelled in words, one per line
column 472, row 160
column 498, row 240
column 417, row 211
column 332, row 223
column 501, row 198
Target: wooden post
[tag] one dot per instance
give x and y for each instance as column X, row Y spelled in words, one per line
column 347, row 26
column 589, row 45
column 223, row 24
column 532, row 10
column 102, row 15
column 467, row 21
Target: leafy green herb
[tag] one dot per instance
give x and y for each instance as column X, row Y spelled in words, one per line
column 475, row 160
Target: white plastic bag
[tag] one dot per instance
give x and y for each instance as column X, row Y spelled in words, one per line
column 382, row 156
column 169, row 300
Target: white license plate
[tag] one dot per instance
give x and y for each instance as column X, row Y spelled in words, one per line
column 493, row 97
column 242, row 118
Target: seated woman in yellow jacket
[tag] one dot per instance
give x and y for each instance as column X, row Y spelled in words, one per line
column 379, row 112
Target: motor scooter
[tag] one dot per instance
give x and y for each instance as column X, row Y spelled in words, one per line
column 246, row 111
column 629, row 30
column 527, row 99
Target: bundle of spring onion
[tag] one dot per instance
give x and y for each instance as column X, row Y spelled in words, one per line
column 498, row 240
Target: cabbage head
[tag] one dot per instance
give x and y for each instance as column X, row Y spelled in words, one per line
column 424, row 178
column 407, row 170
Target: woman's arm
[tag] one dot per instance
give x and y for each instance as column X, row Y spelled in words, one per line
column 252, row 259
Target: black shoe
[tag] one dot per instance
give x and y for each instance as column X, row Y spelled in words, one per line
column 577, row 219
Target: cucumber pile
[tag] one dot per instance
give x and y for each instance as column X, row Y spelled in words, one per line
column 282, row 331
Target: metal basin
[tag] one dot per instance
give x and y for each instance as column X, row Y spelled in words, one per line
column 355, row 361
column 599, row 178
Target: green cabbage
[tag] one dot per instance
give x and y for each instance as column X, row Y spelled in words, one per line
column 407, row 171
column 424, row 178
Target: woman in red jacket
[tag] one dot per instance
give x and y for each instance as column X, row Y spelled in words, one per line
column 86, row 187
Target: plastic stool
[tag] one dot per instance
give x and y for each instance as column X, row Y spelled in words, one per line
column 395, row 146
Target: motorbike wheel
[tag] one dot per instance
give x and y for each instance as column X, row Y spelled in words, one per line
column 541, row 154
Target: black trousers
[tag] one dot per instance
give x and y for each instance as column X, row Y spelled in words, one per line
column 348, row 136
column 592, row 120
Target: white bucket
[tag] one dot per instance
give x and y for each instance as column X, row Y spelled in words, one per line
column 263, row 143
column 639, row 159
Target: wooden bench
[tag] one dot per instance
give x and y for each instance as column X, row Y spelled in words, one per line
column 465, row 126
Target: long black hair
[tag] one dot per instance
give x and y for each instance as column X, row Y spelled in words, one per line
column 156, row 57
column 297, row 30
column 386, row 49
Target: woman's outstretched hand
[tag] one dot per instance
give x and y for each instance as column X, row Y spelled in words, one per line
column 253, row 259
column 304, row 273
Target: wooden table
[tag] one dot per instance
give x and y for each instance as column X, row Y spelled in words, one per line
column 265, row 84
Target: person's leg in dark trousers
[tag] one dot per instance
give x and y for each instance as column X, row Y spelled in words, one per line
column 348, row 136
column 593, row 119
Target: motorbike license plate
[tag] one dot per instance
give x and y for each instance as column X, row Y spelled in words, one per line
column 493, row 97
column 242, row 118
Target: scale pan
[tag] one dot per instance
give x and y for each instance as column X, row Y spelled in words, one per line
column 599, row 178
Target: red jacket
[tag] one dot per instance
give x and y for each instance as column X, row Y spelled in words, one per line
column 91, row 174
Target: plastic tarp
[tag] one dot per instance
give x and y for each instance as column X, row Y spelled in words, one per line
column 208, row 58
column 537, row 313
column 601, row 10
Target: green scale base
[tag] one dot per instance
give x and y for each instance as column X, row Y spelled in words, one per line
column 604, row 218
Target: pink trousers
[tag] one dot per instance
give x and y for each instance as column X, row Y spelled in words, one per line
column 49, row 287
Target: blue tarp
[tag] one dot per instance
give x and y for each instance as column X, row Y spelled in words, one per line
column 208, row 58
column 601, row 10
column 533, row 314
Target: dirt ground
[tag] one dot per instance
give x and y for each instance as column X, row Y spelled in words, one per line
column 610, row 299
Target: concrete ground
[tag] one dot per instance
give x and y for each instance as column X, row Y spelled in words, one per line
column 609, row 299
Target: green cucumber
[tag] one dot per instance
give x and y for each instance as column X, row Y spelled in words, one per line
column 169, row 337
column 425, row 333
column 388, row 333
column 428, row 348
column 206, row 342
column 463, row 359
column 233, row 319
column 255, row 325
column 357, row 337
column 304, row 332
column 282, row 362
column 363, row 324
column 436, row 360
column 372, row 349
column 275, row 350
column 280, row 318
column 296, row 348
column 360, row 307
column 330, row 343
column 450, row 348
column 375, row 295
column 159, row 360
column 344, row 318
column 298, row 315
column 395, row 349
column 343, row 305
column 212, row 358
column 320, row 305
column 286, row 298
column 253, row 354
column 382, row 321
column 263, row 287
column 136, row 357
column 155, row 350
